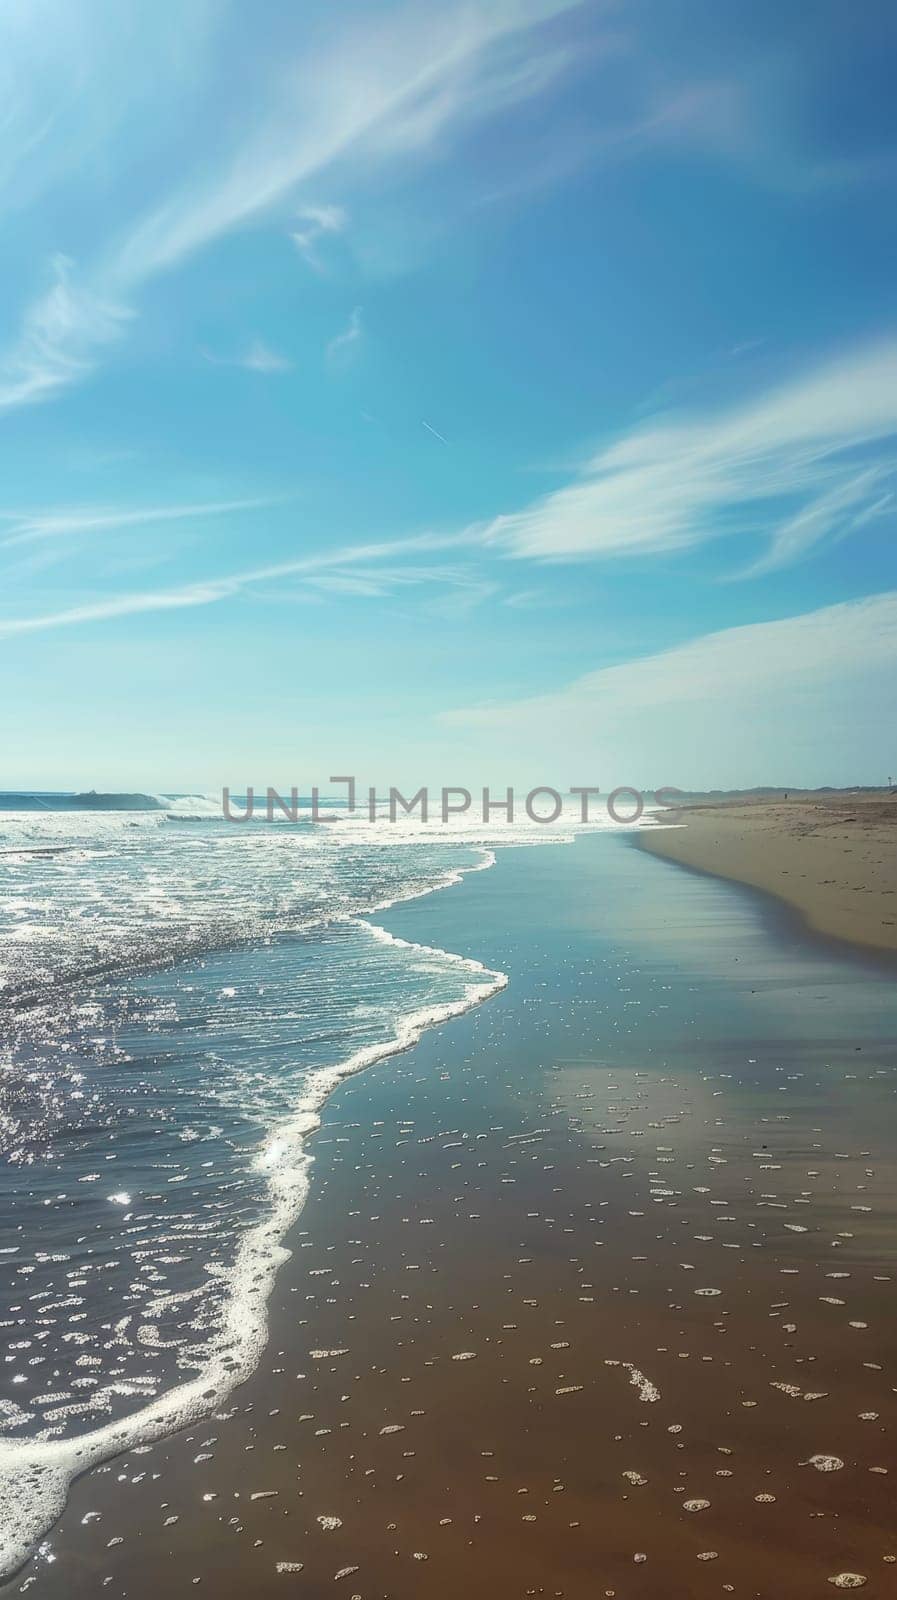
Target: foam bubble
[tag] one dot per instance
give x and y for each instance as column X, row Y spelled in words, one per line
column 35, row 1475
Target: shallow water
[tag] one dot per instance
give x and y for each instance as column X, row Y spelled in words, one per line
column 138, row 1106
column 177, row 998
column 674, row 1094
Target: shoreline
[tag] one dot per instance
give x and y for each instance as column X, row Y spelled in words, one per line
column 483, row 1346
column 37, row 1475
column 830, row 863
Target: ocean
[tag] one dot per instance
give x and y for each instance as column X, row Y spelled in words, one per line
column 178, row 997
column 599, row 1272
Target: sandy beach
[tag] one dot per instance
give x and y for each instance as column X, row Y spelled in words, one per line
column 831, row 858
column 448, row 1072
column 593, row 1291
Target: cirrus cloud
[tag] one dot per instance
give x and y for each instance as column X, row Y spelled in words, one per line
column 810, row 459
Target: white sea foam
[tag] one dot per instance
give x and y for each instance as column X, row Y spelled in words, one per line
column 120, row 879
column 647, row 1390
column 35, row 1474
column 192, row 806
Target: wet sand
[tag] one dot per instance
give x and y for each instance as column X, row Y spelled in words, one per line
column 594, row 1291
column 832, row 859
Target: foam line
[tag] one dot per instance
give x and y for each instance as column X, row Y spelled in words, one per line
column 35, row 1475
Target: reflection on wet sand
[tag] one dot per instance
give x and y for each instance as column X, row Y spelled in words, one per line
column 593, row 1293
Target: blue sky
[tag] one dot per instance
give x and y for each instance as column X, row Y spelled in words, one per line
column 498, row 392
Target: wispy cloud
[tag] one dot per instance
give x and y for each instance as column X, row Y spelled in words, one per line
column 382, row 92
column 340, row 348
column 850, row 504
column 314, row 223
column 721, row 708
column 24, row 529
column 346, row 570
column 526, row 600
column 256, row 357
column 61, row 335
column 123, row 605
column 749, row 121
column 74, row 88
column 806, row 461
column 380, row 89
column 261, row 358
column 336, row 107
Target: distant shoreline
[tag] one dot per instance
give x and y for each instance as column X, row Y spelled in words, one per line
column 832, row 859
